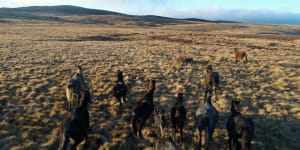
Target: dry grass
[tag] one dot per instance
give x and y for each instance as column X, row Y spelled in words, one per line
column 38, row 58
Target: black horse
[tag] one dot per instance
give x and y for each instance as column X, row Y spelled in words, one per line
column 211, row 79
column 239, row 126
column 206, row 119
column 120, row 88
column 76, row 125
column 178, row 114
column 142, row 109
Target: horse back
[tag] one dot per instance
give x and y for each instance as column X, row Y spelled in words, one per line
column 208, row 77
column 180, row 111
column 142, row 107
column 120, row 89
column 216, row 78
column 240, row 122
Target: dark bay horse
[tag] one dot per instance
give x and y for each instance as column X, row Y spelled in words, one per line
column 75, row 88
column 211, row 79
column 142, row 109
column 178, row 115
column 76, row 124
column 206, row 119
column 239, row 126
column 120, row 88
column 240, row 55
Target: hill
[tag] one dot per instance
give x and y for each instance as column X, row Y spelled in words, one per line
column 74, row 14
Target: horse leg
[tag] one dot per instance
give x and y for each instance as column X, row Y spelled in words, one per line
column 175, row 130
column 207, row 137
column 199, row 138
column 134, row 126
column 229, row 141
column 64, row 141
column 124, row 98
column 86, row 139
column 119, row 99
column 181, row 134
column 143, row 121
column 236, row 143
column 77, row 142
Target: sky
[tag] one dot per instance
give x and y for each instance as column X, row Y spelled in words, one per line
column 259, row 11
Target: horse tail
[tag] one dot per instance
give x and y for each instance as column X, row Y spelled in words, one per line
column 69, row 91
column 64, row 140
column 247, row 134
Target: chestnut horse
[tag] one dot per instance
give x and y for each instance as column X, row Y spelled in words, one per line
column 240, row 55
column 142, row 109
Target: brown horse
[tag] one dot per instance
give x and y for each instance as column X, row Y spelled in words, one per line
column 142, row 109
column 240, row 55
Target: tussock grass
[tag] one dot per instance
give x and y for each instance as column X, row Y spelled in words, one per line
column 38, row 59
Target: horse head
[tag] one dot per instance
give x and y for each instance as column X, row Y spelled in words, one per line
column 235, row 106
column 180, row 97
column 209, row 68
column 151, row 86
column 79, row 69
column 120, row 75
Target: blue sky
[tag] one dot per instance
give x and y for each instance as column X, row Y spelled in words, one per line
column 261, row 11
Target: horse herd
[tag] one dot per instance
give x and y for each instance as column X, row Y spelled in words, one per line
column 76, row 124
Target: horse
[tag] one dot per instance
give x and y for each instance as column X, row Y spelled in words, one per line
column 206, row 119
column 120, row 88
column 74, row 89
column 76, row 125
column 142, row 109
column 211, row 79
column 239, row 126
column 178, row 115
column 240, row 55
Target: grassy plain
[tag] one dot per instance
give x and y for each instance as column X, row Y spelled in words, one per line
column 38, row 58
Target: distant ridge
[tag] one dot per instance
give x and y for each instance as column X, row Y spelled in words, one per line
column 59, row 13
column 59, row 10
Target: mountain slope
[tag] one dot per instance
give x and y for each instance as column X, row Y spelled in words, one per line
column 74, row 14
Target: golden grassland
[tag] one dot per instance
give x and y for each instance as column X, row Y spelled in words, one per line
column 38, row 58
